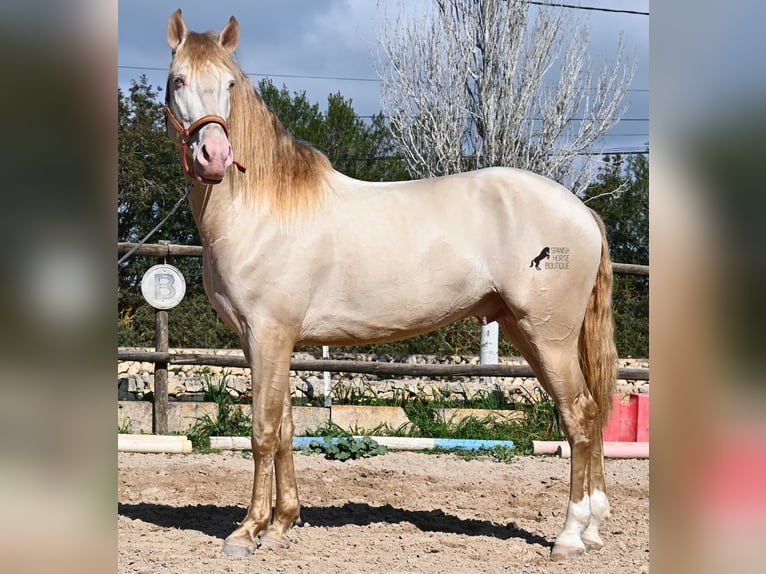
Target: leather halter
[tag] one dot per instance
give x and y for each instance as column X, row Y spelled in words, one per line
column 187, row 133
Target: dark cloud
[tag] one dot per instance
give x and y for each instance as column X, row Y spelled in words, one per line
column 334, row 38
column 285, row 37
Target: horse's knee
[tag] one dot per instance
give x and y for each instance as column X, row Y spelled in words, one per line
column 264, row 445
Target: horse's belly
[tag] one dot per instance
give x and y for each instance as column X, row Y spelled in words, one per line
column 392, row 315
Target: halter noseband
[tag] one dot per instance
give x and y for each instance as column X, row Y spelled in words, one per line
column 187, row 133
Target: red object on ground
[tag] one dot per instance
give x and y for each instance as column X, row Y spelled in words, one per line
column 629, row 422
column 642, row 428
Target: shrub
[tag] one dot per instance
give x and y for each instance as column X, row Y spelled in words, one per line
column 345, row 448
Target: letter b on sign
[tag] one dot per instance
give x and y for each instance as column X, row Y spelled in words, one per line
column 163, row 286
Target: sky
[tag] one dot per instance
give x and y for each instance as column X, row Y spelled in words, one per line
column 329, row 46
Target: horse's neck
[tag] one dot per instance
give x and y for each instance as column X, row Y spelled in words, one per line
column 211, row 208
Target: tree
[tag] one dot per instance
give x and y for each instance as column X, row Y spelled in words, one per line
column 477, row 83
column 620, row 195
column 354, row 147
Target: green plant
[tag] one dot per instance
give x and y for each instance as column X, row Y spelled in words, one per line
column 344, row 448
column 540, row 421
column 329, row 429
column 124, row 428
column 345, row 393
column 229, row 419
column 498, row 453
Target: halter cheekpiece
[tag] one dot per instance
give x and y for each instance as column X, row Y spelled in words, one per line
column 187, row 133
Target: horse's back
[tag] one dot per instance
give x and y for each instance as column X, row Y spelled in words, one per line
column 494, row 215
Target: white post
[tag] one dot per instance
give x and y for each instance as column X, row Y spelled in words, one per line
column 488, row 354
column 327, row 397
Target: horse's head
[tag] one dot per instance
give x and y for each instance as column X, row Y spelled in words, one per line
column 198, row 102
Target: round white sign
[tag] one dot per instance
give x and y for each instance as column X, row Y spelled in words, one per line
column 163, row 286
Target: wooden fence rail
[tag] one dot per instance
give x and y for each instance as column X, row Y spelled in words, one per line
column 361, row 367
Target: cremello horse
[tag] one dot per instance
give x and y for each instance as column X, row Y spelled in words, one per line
column 295, row 252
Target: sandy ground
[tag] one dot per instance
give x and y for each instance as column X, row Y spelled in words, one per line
column 402, row 512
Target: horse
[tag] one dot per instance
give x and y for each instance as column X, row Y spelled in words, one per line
column 544, row 254
column 295, row 252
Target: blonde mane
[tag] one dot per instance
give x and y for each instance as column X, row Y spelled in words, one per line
column 282, row 172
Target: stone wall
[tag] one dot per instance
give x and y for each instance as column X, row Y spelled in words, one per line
column 189, row 382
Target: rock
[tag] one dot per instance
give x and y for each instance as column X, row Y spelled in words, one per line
column 194, row 385
column 123, row 389
column 237, row 384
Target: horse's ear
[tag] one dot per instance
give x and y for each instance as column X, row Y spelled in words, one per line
column 229, row 36
column 176, row 30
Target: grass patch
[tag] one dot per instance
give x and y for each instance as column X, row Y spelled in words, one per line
column 229, row 419
column 497, row 453
column 540, row 422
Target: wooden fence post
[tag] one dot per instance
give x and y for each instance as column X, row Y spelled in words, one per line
column 161, row 345
column 160, row 417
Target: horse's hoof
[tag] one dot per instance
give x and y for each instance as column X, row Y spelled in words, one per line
column 236, row 550
column 238, row 547
column 560, row 552
column 275, row 540
column 592, row 544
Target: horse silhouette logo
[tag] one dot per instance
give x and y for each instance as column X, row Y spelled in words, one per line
column 544, row 254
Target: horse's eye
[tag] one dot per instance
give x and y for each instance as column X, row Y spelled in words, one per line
column 231, row 84
column 178, row 81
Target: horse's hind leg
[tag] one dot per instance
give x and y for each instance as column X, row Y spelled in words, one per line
column 554, row 360
column 599, row 503
column 577, row 412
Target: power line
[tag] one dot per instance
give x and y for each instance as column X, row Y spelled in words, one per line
column 616, row 151
column 304, row 76
column 591, row 8
column 293, row 76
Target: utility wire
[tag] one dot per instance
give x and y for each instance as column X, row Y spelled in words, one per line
column 591, row 8
column 304, row 76
column 156, row 227
column 293, row 76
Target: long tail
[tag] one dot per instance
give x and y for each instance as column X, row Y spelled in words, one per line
column 597, row 350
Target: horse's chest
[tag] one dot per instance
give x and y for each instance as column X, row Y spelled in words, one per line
column 219, row 297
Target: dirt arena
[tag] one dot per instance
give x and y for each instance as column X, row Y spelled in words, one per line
column 402, row 512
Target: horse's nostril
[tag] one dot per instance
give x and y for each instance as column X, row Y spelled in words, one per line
column 205, row 154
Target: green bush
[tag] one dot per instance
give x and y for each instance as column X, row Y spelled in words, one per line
column 229, row 420
column 345, row 448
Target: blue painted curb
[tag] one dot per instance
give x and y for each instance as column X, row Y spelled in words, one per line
column 405, row 443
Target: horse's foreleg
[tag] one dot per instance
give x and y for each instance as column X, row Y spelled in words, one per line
column 269, row 350
column 287, row 508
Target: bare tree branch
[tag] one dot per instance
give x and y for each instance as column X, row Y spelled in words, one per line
column 477, row 83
